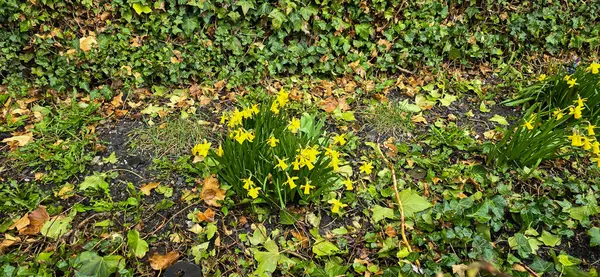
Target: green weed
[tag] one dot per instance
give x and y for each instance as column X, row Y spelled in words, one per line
column 393, row 119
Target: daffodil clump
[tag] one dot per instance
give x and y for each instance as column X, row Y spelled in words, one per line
column 269, row 156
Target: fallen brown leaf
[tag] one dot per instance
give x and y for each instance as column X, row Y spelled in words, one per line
column 86, row 43
column 145, row 189
column 33, row 223
column 161, row 262
column 8, row 241
column 208, row 215
column 211, row 193
column 20, row 140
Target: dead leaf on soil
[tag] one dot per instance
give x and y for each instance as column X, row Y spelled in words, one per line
column 161, row 262
column 8, row 241
column 86, row 43
column 419, row 119
column 211, row 193
column 32, row 223
column 65, row 191
column 208, row 215
column 145, row 189
column 20, row 140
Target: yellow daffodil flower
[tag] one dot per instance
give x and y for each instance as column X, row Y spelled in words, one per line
column 247, row 113
column 336, row 205
column 248, row 183
column 235, row 119
column 223, row 118
column 296, row 164
column 253, row 192
column 575, row 139
column 307, row 188
column 572, row 82
column 366, row 168
column 348, row 184
column 596, row 147
column 542, row 77
column 294, row 125
column 255, row 109
column 282, row 97
column 339, row 139
column 201, row 149
column 576, row 111
column 272, row 141
column 580, row 101
column 220, row 151
column 558, row 113
column 594, row 68
column 597, row 160
column 567, row 77
column 528, row 124
column 587, row 144
column 590, row 130
column 290, row 181
column 275, row 107
column 281, row 164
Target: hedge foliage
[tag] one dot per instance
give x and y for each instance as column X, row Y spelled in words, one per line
column 177, row 42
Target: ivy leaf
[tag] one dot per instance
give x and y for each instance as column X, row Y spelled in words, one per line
column 540, row 266
column 379, row 213
column 594, row 234
column 136, row 245
column 190, row 24
column 549, row 239
column 412, row 202
column 245, row 5
column 520, row 243
column 139, row 9
column 112, row 158
column 499, row 119
column 94, row 265
column 364, row 30
column 277, row 18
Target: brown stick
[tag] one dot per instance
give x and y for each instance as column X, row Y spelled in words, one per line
column 401, row 207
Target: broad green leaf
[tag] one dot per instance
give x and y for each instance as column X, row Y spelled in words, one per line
column 483, row 108
column 112, row 158
column 93, row 265
column 408, row 107
column 56, row 227
column 594, row 234
column 324, row 248
column 211, row 230
column 412, row 202
column 94, row 182
column 363, row 30
column 348, row 116
column 379, row 213
column 259, row 236
column 151, row 109
column 139, row 9
column 549, row 239
column 267, row 261
column 520, row 243
column 277, row 18
column 499, row 119
column 567, row 260
column 136, row 245
column 447, row 100
column 245, row 5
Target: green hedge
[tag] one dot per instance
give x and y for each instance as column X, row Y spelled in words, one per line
column 242, row 41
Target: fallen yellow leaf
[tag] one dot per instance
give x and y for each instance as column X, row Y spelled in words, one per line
column 145, row 189
column 20, row 140
column 8, row 241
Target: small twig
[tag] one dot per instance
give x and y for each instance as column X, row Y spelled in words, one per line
column 401, row 207
column 530, row 270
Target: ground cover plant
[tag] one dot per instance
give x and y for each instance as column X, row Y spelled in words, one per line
column 299, row 138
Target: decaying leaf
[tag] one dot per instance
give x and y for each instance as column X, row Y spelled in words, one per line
column 418, row 118
column 20, row 140
column 145, row 189
column 7, row 242
column 208, row 215
column 87, row 43
column 161, row 262
column 211, row 193
column 65, row 191
column 33, row 222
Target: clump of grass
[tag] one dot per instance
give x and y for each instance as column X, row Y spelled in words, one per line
column 170, row 139
column 391, row 119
